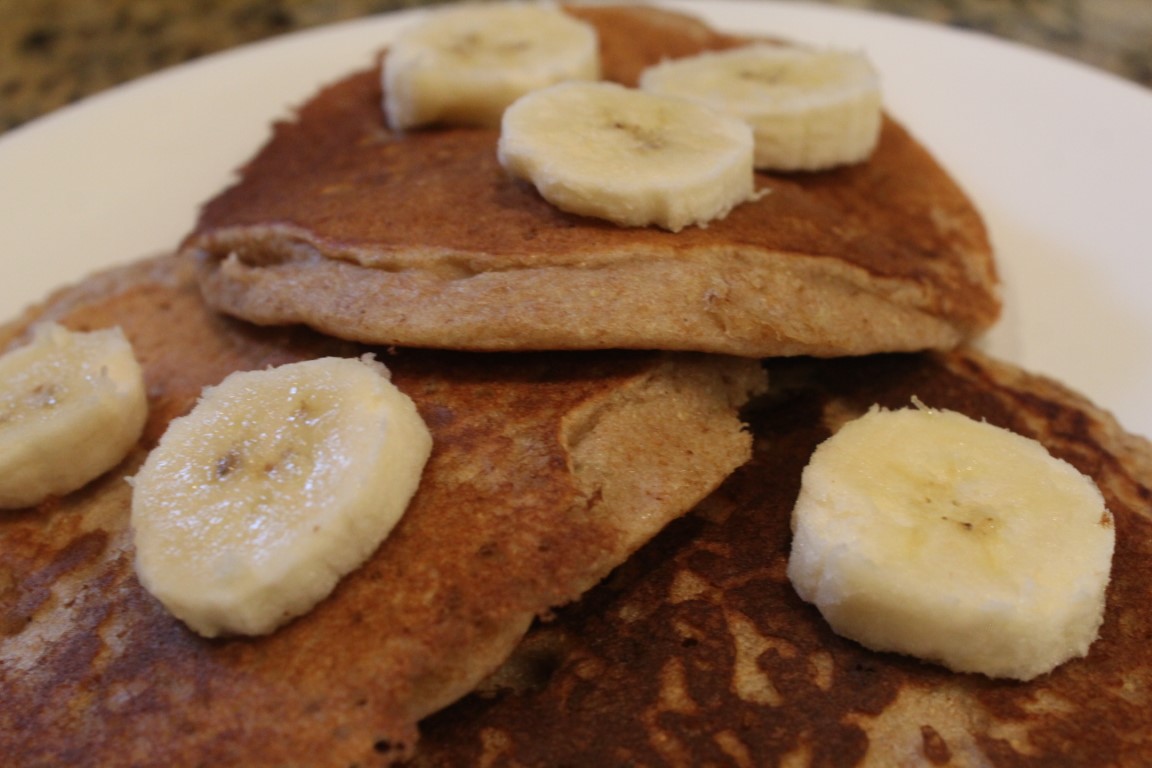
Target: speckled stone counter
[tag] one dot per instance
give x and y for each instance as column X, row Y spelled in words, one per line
column 53, row 52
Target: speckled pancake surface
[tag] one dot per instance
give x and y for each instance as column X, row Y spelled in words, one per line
column 547, row 470
column 697, row 651
column 421, row 239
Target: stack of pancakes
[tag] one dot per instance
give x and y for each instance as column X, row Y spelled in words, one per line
column 549, row 598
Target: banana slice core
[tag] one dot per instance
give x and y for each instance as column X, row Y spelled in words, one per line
column 277, row 484
column 928, row 533
column 72, row 405
column 809, row 109
column 626, row 156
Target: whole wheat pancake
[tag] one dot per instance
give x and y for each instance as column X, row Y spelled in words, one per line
column 421, row 239
column 547, row 471
column 698, row 651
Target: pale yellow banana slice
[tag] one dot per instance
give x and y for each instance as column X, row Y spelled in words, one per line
column 464, row 65
column 809, row 109
column 630, row 157
column 71, row 407
column 278, row 483
column 928, row 533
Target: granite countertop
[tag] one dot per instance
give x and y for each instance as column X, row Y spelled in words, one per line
column 54, row 52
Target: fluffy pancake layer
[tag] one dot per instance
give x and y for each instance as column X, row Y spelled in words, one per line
column 421, row 239
column 698, row 651
column 547, row 471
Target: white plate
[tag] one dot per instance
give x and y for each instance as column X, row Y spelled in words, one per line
column 1058, row 157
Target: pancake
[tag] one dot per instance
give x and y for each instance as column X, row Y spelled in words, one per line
column 547, row 471
column 698, row 651
column 421, row 239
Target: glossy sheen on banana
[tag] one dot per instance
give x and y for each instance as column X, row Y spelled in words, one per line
column 274, row 486
column 928, row 533
column 71, row 407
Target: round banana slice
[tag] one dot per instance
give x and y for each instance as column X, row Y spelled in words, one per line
column 809, row 109
column 278, row 483
column 465, row 65
column 630, row 157
column 72, row 405
column 928, row 533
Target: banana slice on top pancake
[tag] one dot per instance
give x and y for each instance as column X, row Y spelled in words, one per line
column 809, row 109
column 633, row 158
column 465, row 64
column 422, row 238
column 546, row 471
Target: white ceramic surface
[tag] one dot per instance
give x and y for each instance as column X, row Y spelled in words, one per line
column 1058, row 157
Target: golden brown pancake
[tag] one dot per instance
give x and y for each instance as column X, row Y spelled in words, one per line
column 421, row 239
column 697, row 651
column 547, row 471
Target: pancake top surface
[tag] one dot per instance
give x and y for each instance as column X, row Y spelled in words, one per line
column 335, row 183
column 698, row 651
column 525, row 503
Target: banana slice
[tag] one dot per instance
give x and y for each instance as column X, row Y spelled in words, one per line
column 810, row 110
column 630, row 157
column 71, row 407
column 465, row 65
column 277, row 484
column 928, row 533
